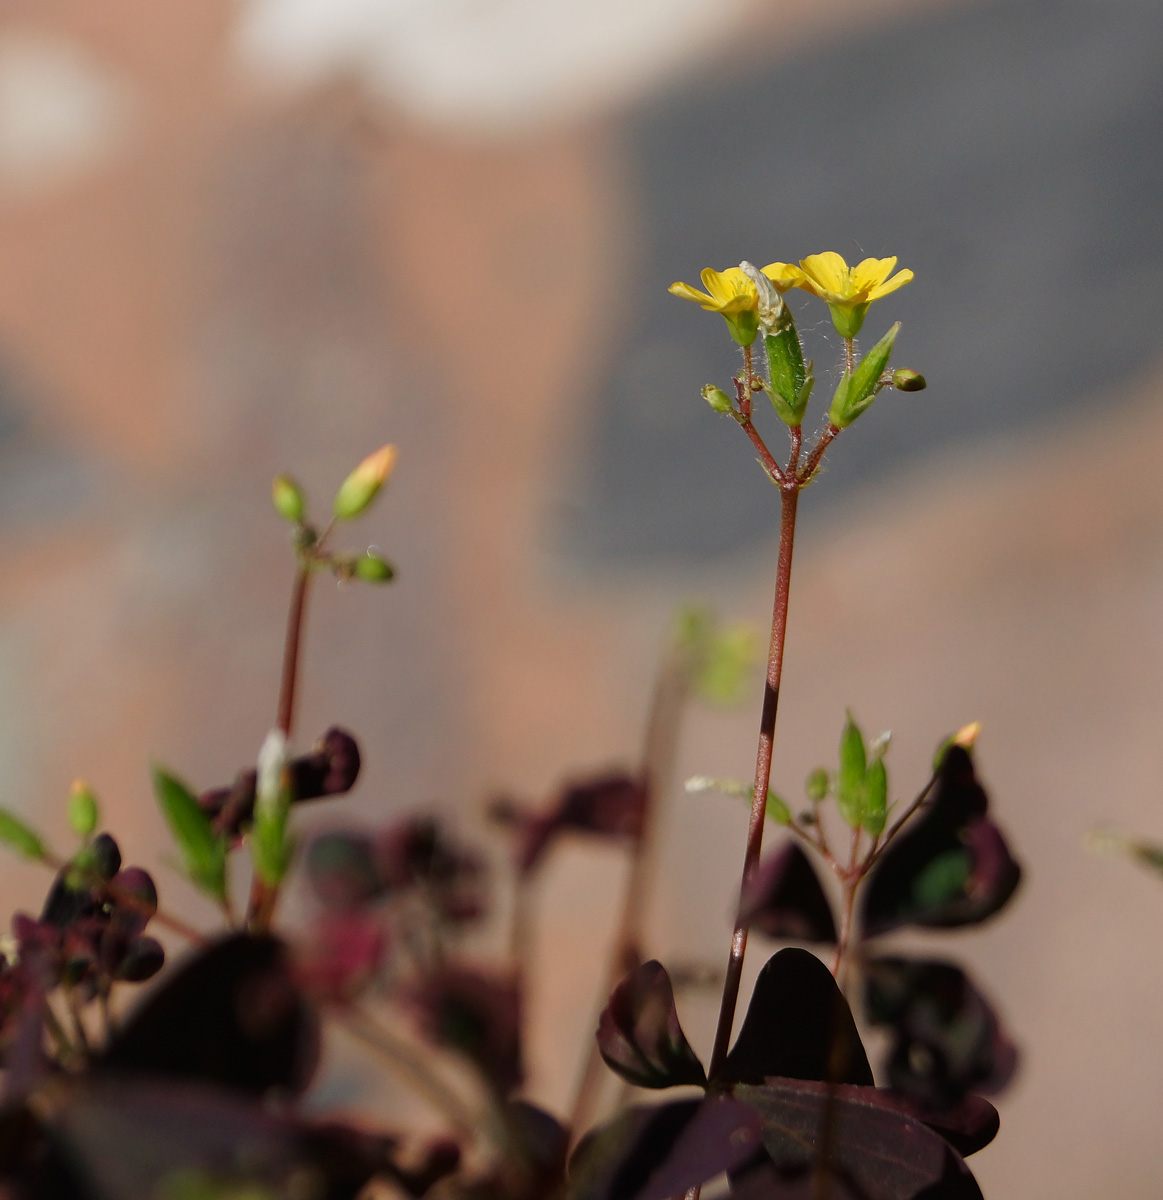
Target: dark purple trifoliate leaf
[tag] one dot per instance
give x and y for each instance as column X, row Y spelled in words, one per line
column 639, row 1034
column 130, row 1139
column 77, row 889
column 230, row 1014
column 949, row 867
column 610, row 806
column 132, row 899
column 417, row 852
column 142, row 959
column 342, row 869
column 879, row 1152
column 969, row 1126
column 946, row 1039
column 479, row 1016
column 784, row 899
column 656, row 1153
column 798, row 1025
column 331, row 769
column 765, row 1182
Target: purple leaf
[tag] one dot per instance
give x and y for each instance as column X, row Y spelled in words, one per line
column 610, row 806
column 230, row 1014
column 656, row 1153
column 784, row 899
column 882, row 1153
column 331, row 769
column 417, row 852
column 946, row 1038
column 342, row 870
column 124, row 1140
column 639, row 1034
column 477, row 1015
column 798, row 1025
column 950, row 867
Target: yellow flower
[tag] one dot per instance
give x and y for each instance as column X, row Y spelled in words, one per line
column 733, row 295
column 848, row 291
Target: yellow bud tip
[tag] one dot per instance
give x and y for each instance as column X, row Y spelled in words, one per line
column 967, row 735
column 377, row 467
column 78, row 785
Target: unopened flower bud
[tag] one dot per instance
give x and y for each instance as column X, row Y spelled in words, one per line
column 816, row 785
column 717, row 398
column 287, row 498
column 371, row 568
column 362, row 486
column 904, row 379
column 82, row 809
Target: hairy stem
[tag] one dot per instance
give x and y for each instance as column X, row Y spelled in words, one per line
column 789, row 497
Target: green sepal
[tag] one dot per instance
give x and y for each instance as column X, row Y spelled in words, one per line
column 858, row 390
column 850, row 777
column 848, row 319
column 744, row 326
column 790, row 381
column 875, row 797
column 20, row 837
column 203, row 851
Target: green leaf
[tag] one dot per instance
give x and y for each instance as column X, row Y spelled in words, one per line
column 730, row 653
column 858, row 390
column 20, row 837
column 203, row 852
column 777, row 809
column 875, row 797
column 850, row 778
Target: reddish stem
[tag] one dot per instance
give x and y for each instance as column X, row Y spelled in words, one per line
column 789, row 497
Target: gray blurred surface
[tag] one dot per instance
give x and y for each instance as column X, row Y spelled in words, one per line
column 1010, row 153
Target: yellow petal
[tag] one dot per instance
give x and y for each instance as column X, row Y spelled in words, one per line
column 686, row 292
column 783, row 275
column 871, row 273
column 891, row 285
column 829, row 272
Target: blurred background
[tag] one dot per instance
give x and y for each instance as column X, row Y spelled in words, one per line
column 238, row 238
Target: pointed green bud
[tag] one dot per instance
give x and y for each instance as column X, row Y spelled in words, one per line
column 362, row 486
column 904, row 379
column 371, row 568
column 288, row 499
column 816, row 785
column 791, row 381
column 270, row 846
column 717, row 398
column 858, row 390
column 83, row 812
column 20, row 837
column 875, row 797
column 203, row 851
column 850, row 777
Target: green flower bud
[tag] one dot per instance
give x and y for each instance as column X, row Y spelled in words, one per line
column 875, row 797
column 371, row 568
column 717, row 398
column 791, row 381
column 82, row 809
column 362, row 486
column 288, row 499
column 858, row 390
column 904, row 379
column 850, row 777
column 816, row 785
